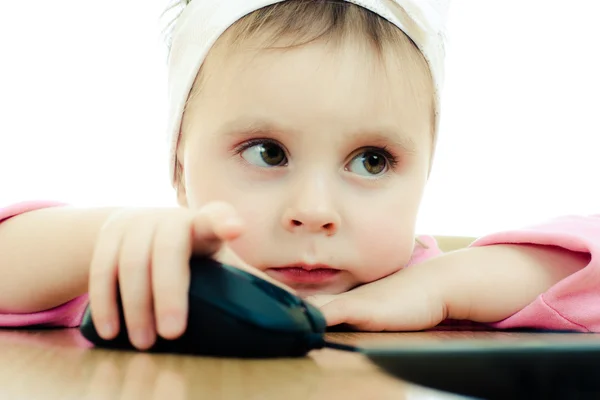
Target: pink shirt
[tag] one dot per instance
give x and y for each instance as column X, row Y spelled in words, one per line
column 571, row 304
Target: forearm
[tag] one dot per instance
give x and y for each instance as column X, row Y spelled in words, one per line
column 45, row 256
column 491, row 283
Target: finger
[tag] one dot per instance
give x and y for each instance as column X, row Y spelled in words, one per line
column 321, row 299
column 335, row 312
column 102, row 290
column 358, row 314
column 171, row 275
column 134, row 282
column 213, row 224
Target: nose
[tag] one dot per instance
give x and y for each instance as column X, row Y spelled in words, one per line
column 313, row 221
column 312, row 212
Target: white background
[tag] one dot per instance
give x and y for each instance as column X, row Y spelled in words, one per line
column 82, row 107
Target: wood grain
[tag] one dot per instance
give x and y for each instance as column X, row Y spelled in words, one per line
column 60, row 364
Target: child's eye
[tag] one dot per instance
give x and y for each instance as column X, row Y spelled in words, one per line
column 371, row 162
column 264, row 154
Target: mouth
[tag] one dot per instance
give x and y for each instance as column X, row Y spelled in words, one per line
column 317, row 273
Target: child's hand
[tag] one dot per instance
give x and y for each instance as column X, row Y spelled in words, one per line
column 480, row 284
column 148, row 251
column 403, row 301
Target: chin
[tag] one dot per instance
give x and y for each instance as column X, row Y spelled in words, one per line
column 305, row 292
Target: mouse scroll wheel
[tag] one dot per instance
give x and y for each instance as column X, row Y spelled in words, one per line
column 278, row 293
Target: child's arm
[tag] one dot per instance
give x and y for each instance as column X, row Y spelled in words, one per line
column 52, row 257
column 488, row 284
column 547, row 276
column 573, row 302
column 45, row 253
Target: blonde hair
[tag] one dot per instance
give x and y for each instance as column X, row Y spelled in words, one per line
column 300, row 22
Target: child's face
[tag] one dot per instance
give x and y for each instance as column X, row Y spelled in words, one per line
column 324, row 151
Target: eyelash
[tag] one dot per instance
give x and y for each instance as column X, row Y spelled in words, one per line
column 255, row 142
column 390, row 158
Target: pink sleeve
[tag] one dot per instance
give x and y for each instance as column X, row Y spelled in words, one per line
column 66, row 315
column 426, row 248
column 574, row 302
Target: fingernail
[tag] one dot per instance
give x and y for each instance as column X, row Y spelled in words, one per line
column 107, row 330
column 171, row 326
column 143, row 338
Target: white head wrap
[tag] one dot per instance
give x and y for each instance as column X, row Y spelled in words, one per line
column 202, row 22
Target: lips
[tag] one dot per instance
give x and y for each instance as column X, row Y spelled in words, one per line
column 304, row 273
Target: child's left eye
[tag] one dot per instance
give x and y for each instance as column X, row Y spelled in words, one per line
column 369, row 163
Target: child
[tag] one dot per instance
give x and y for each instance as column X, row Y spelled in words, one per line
column 303, row 138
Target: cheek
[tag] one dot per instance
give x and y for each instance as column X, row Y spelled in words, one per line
column 210, row 178
column 206, row 176
column 384, row 240
column 259, row 219
column 384, row 253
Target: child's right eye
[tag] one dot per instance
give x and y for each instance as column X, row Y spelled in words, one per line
column 264, row 153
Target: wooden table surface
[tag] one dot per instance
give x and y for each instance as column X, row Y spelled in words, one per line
column 59, row 364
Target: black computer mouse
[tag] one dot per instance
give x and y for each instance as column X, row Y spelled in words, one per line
column 233, row 313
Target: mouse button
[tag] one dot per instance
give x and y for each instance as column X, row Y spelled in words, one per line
column 316, row 317
column 274, row 291
column 238, row 272
column 278, row 293
column 244, row 300
column 294, row 320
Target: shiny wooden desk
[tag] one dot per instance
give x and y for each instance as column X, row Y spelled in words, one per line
column 58, row 364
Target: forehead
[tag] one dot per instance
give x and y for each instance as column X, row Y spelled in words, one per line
column 343, row 87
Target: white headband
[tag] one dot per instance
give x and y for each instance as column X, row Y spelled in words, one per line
column 202, row 22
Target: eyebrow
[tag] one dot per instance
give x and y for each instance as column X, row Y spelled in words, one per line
column 383, row 136
column 251, row 127
column 379, row 136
